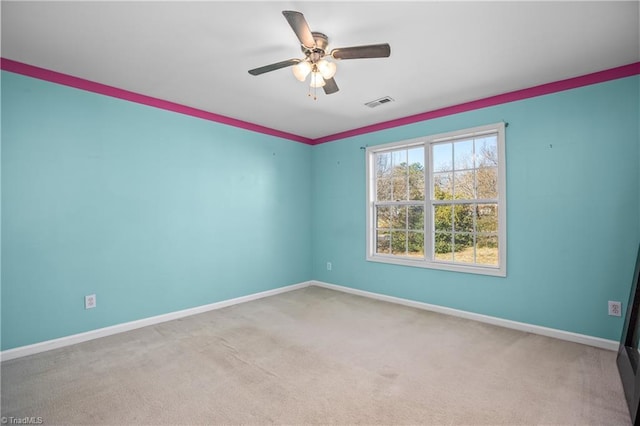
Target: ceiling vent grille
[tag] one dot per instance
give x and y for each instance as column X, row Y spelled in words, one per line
column 379, row 102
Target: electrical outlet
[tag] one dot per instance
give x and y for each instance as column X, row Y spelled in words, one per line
column 615, row 309
column 328, row 266
column 90, row 301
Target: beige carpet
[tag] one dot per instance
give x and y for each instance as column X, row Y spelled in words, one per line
column 318, row 356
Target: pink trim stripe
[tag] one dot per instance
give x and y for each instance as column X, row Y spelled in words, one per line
column 544, row 89
column 91, row 86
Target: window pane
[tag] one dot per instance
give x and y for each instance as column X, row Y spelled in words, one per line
column 416, row 186
column 416, row 244
column 416, row 174
column 383, row 242
column 383, row 165
column 442, row 217
column 463, row 155
column 443, row 186
column 399, row 243
column 487, row 250
column 443, row 246
column 464, row 185
column 416, row 156
column 463, row 218
column 464, row 250
column 487, row 151
column 383, row 217
column 399, row 158
column 487, row 218
column 416, row 218
column 487, row 182
column 400, row 188
column 383, row 189
column 442, row 157
column 399, row 217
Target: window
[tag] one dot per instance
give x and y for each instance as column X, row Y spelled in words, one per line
column 439, row 201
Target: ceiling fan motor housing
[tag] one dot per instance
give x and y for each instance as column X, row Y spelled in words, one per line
column 319, row 50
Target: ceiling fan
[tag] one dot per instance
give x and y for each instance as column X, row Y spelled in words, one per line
column 315, row 61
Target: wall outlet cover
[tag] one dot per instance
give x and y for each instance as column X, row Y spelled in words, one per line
column 615, row 308
column 90, row 301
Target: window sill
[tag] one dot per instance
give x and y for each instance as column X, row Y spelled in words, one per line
column 422, row 263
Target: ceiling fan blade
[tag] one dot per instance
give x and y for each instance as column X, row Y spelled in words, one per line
column 358, row 52
column 330, row 86
column 273, row 67
column 300, row 27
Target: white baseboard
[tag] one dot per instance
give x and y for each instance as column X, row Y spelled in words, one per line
column 611, row 345
column 120, row 328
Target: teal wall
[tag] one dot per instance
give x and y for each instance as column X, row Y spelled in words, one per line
column 573, row 193
column 151, row 210
column 155, row 211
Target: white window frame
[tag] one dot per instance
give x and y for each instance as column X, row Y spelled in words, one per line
column 428, row 260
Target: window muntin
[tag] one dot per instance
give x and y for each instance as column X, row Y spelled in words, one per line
column 464, row 200
column 399, row 205
column 438, row 201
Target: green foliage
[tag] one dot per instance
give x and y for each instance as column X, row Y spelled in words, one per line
column 449, row 218
column 442, row 243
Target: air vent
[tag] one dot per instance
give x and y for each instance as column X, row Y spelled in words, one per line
column 379, row 102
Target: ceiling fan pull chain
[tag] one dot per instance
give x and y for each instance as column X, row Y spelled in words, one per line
column 315, row 93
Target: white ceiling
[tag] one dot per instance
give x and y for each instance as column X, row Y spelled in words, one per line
column 442, row 53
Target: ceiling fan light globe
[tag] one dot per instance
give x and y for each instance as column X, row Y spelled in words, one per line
column 327, row 69
column 301, row 70
column 317, row 80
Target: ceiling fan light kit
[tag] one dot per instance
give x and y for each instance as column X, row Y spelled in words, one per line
column 301, row 70
column 327, row 69
column 317, row 80
column 315, row 61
